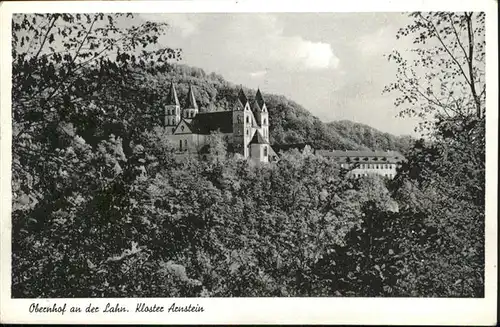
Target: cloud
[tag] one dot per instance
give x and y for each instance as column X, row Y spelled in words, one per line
column 316, row 55
column 258, row 74
column 264, row 34
column 247, row 41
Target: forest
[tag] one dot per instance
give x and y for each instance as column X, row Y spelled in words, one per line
column 101, row 206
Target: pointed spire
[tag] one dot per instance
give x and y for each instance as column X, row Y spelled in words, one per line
column 172, row 98
column 191, row 99
column 242, row 97
column 259, row 99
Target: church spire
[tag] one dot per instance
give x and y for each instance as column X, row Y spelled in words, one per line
column 259, row 99
column 242, row 97
column 172, row 98
column 191, row 99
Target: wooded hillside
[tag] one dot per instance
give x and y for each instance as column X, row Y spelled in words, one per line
column 290, row 122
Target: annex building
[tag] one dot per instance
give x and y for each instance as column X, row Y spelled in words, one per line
column 245, row 127
column 364, row 162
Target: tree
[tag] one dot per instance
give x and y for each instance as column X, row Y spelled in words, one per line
column 77, row 102
column 441, row 187
column 447, row 78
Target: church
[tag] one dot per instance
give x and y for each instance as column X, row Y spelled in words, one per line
column 245, row 127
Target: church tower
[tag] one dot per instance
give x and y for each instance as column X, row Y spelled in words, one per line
column 172, row 110
column 261, row 114
column 242, row 124
column 191, row 108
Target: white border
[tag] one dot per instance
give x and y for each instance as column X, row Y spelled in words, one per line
column 263, row 310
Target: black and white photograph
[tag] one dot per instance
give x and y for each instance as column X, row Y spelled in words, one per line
column 247, row 155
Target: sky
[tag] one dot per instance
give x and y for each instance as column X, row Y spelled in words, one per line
column 333, row 64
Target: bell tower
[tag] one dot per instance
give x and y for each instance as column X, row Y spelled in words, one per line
column 172, row 110
column 242, row 124
column 191, row 108
column 261, row 115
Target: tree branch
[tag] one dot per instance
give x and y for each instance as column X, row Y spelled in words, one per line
column 56, row 16
column 72, row 62
column 445, row 47
column 456, row 35
column 469, row 62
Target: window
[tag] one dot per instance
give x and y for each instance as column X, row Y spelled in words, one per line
column 185, row 145
column 265, row 151
column 182, row 128
column 265, row 121
column 248, row 120
column 180, row 145
column 248, row 131
column 239, row 119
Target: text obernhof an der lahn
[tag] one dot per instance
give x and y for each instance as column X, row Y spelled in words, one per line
column 115, row 308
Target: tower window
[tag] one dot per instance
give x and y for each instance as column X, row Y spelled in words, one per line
column 248, row 131
column 265, row 121
column 248, row 120
column 239, row 119
column 265, row 151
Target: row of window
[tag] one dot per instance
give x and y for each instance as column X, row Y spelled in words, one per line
column 365, row 174
column 248, row 120
column 173, row 111
column 171, row 121
column 370, row 166
column 189, row 114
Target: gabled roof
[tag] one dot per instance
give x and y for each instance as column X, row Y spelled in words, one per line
column 191, row 99
column 206, row 122
column 186, row 123
column 242, row 97
column 172, row 98
column 258, row 139
column 259, row 99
